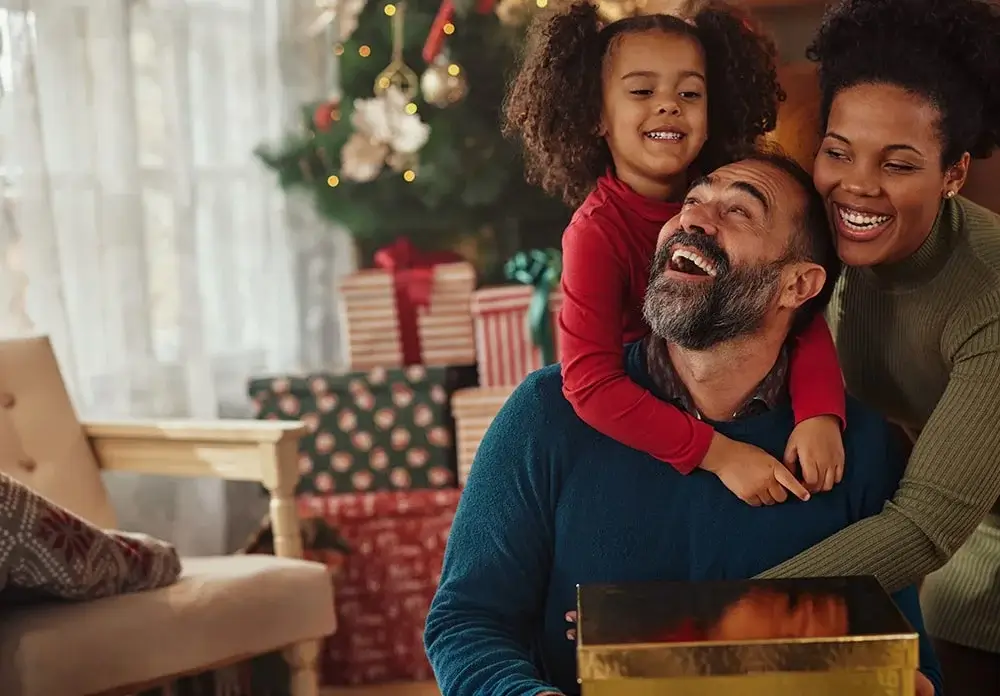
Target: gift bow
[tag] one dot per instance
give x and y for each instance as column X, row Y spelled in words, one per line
column 541, row 269
column 413, row 279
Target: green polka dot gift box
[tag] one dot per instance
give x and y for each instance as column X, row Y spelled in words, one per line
column 383, row 429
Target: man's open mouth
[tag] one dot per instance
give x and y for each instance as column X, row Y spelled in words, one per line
column 689, row 262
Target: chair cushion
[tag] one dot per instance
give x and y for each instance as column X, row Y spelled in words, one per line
column 221, row 609
column 47, row 551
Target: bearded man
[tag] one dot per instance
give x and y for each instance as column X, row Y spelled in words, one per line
column 552, row 503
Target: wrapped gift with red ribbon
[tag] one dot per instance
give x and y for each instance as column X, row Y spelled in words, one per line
column 413, row 309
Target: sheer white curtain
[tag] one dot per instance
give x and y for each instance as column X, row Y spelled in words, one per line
column 138, row 231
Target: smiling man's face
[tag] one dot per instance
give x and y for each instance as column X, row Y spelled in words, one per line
column 718, row 265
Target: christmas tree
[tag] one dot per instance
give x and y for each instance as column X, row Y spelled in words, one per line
column 413, row 148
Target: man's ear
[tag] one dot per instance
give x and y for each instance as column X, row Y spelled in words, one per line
column 802, row 282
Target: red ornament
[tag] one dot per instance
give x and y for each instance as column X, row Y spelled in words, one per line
column 325, row 114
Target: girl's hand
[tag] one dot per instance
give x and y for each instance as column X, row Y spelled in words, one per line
column 924, row 685
column 753, row 475
column 818, row 445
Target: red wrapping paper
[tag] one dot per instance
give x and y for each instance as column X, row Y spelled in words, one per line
column 505, row 352
column 413, row 277
column 385, row 586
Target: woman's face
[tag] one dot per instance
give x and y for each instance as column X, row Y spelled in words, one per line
column 879, row 170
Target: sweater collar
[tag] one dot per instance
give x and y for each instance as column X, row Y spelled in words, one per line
column 649, row 366
column 923, row 264
column 628, row 199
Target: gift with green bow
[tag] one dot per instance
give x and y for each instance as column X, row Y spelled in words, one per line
column 541, row 269
column 515, row 329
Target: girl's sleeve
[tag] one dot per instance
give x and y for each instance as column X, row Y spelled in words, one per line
column 815, row 382
column 594, row 286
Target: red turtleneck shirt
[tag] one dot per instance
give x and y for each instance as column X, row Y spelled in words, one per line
column 607, row 250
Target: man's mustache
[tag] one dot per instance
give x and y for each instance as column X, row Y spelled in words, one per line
column 702, row 243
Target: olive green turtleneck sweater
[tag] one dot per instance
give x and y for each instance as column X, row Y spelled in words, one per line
column 920, row 341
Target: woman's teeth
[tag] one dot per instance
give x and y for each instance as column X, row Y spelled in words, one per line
column 664, row 135
column 861, row 221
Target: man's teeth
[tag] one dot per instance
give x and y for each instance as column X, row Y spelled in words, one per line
column 664, row 135
column 861, row 221
column 696, row 260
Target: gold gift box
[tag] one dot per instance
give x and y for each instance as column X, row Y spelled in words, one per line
column 814, row 636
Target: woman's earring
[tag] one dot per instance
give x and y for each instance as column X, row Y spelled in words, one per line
column 949, row 195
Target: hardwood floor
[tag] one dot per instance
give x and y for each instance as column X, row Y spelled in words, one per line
column 399, row 689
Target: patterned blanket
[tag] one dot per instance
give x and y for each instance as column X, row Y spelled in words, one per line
column 48, row 552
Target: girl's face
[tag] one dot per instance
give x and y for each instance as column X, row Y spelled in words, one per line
column 655, row 113
column 879, row 171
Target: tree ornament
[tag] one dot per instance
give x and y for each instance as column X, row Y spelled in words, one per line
column 398, row 74
column 384, row 134
column 325, row 115
column 443, row 83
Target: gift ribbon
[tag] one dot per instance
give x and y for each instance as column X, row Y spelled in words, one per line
column 412, row 279
column 541, row 269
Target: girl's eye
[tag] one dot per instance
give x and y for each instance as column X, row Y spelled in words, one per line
column 691, row 95
column 642, row 92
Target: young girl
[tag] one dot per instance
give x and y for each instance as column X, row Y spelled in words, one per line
column 616, row 120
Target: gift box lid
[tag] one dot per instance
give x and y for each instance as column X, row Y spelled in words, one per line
column 674, row 629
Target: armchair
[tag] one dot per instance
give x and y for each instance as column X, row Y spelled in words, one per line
column 222, row 610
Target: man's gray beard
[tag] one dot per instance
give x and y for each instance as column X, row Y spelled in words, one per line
column 697, row 316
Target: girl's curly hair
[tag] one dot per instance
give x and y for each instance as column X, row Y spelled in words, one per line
column 554, row 103
column 948, row 51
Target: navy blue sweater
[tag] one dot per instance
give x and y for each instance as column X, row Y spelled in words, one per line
column 552, row 503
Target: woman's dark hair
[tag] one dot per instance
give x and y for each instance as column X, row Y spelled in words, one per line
column 947, row 51
column 555, row 101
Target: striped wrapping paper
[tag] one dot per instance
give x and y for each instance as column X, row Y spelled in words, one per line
column 506, row 354
column 474, row 409
column 368, row 305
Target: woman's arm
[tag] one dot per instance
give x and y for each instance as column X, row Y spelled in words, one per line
column 594, row 282
column 951, row 481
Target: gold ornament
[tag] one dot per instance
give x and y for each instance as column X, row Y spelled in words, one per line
column 443, row 83
column 397, row 74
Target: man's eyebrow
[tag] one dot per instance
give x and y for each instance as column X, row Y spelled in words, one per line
column 707, row 180
column 748, row 188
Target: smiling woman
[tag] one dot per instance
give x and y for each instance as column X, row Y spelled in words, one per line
column 917, row 314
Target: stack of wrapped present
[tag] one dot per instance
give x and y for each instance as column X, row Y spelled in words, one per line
column 515, row 335
column 378, row 463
